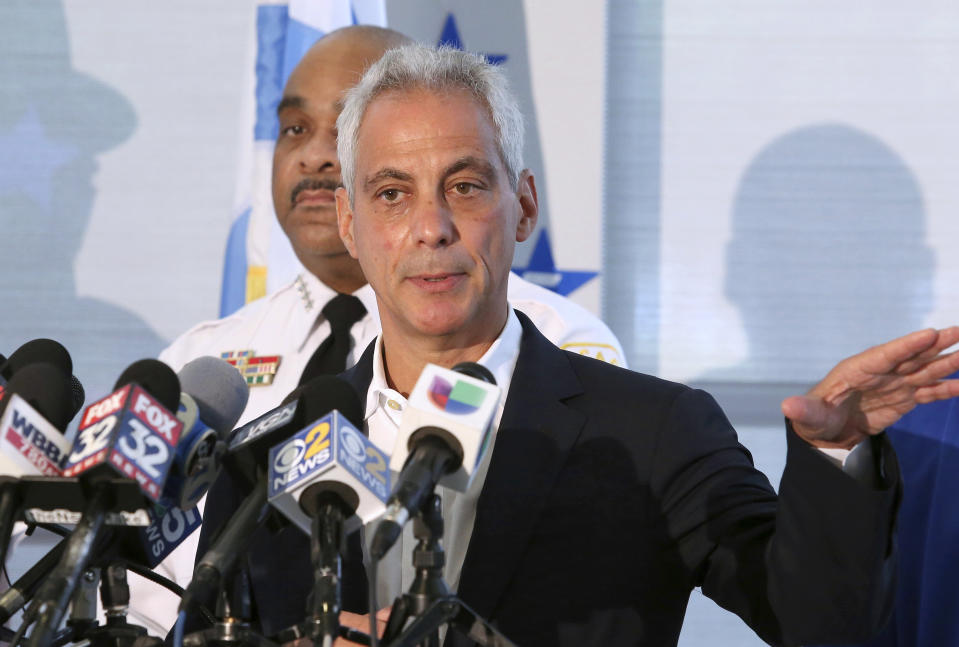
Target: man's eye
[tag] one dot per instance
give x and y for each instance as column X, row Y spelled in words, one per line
column 292, row 130
column 464, row 188
column 390, row 195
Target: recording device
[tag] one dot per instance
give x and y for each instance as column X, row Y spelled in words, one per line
column 328, row 479
column 442, row 438
column 44, row 351
column 29, row 443
column 330, row 456
column 213, row 398
column 130, row 433
column 246, row 463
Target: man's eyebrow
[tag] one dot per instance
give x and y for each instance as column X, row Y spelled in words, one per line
column 290, row 102
column 387, row 174
column 471, row 162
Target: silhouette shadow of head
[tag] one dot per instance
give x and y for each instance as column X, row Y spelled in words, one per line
column 54, row 121
column 828, row 253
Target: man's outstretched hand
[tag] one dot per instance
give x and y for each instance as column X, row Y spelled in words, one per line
column 870, row 391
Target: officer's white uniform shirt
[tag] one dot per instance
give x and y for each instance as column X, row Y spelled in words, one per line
column 289, row 323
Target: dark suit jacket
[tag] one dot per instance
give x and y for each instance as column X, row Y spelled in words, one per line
column 611, row 494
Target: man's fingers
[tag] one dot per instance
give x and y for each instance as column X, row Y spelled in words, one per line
column 885, row 358
column 935, row 370
column 939, row 391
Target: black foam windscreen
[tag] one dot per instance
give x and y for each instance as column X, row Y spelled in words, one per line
column 77, row 393
column 46, row 388
column 324, row 393
column 40, row 350
column 478, row 371
column 156, row 378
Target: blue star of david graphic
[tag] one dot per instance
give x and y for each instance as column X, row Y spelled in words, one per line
column 451, row 37
column 29, row 159
column 542, row 270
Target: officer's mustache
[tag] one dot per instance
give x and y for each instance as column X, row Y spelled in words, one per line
column 314, row 184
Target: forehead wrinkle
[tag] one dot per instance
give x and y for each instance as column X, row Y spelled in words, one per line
column 387, row 174
column 471, row 162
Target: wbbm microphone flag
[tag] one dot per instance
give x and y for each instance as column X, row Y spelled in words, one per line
column 258, row 255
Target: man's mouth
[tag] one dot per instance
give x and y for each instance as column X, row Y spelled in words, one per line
column 314, row 191
column 438, row 282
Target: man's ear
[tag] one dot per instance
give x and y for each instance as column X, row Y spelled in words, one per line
column 529, row 205
column 344, row 220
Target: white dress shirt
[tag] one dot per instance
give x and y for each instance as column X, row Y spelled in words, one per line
column 384, row 411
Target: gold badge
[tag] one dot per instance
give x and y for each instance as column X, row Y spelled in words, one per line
column 257, row 371
column 602, row 352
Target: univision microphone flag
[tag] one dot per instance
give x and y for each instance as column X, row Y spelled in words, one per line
column 259, row 258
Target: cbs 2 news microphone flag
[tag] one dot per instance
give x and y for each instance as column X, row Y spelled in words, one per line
column 259, row 258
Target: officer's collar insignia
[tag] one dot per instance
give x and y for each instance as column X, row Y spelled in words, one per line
column 257, row 371
column 596, row 350
column 303, row 289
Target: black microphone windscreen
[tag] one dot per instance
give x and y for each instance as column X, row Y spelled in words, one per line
column 46, row 388
column 324, row 393
column 38, row 350
column 77, row 393
column 218, row 389
column 475, row 370
column 156, row 378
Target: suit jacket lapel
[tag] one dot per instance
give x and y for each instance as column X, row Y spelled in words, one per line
column 535, row 435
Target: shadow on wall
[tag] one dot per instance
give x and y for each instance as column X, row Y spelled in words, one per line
column 54, row 121
column 828, row 257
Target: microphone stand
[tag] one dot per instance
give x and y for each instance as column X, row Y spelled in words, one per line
column 326, row 544
column 9, row 503
column 117, row 632
column 429, row 600
column 329, row 510
column 233, row 612
column 50, row 601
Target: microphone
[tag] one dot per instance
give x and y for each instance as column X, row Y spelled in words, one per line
column 39, row 351
column 214, row 396
column 245, row 462
column 213, row 399
column 332, row 456
column 328, row 479
column 131, row 434
column 29, row 443
column 442, row 439
column 35, row 351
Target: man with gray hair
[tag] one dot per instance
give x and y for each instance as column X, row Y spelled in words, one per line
column 290, row 330
column 608, row 495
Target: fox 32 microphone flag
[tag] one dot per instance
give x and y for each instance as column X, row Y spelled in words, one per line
column 284, row 31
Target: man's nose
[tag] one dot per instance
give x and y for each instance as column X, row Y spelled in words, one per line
column 432, row 223
column 319, row 154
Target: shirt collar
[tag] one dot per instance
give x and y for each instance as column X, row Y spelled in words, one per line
column 500, row 359
column 312, row 295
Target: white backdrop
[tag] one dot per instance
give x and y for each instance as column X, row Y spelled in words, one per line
column 806, row 194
